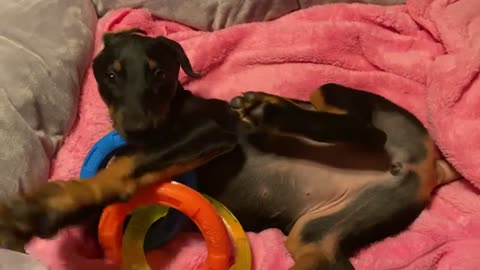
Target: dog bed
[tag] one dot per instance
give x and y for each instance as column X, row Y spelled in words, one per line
column 18, row 261
column 424, row 56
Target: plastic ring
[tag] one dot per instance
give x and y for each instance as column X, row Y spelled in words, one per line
column 172, row 194
column 100, row 153
column 132, row 248
column 143, row 218
column 243, row 253
column 97, row 159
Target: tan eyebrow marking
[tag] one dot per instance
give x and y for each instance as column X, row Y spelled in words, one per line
column 117, row 66
column 152, row 64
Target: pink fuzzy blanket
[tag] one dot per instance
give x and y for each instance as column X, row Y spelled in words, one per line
column 424, row 55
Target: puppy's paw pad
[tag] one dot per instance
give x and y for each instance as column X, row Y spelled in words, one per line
column 252, row 98
column 253, row 105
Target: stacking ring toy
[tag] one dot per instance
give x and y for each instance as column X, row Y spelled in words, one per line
column 132, row 245
column 100, row 153
column 172, row 194
column 97, row 159
column 243, row 253
column 142, row 218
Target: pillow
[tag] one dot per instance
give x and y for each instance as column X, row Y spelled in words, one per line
column 11, row 260
column 210, row 15
column 45, row 49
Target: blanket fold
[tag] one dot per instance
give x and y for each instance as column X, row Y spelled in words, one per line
column 424, row 56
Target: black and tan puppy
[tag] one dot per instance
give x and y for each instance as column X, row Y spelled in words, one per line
column 335, row 174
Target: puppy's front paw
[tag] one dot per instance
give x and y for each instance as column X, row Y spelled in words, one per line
column 17, row 223
column 41, row 213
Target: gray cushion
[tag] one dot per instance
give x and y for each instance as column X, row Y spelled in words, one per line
column 209, row 15
column 45, row 49
column 10, row 260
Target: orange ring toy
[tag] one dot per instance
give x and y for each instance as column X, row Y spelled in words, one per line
column 171, row 194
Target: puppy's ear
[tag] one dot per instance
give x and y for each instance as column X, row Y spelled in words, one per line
column 112, row 37
column 180, row 54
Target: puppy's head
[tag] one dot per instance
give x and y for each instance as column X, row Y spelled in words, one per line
column 137, row 78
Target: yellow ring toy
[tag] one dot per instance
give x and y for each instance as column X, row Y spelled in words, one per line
column 243, row 253
column 132, row 248
column 142, row 218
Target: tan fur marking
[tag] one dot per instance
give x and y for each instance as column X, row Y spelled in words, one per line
column 117, row 66
column 433, row 172
column 152, row 64
column 108, row 183
column 117, row 119
column 426, row 171
column 318, row 101
column 308, row 255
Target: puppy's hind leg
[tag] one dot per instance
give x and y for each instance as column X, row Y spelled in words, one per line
column 284, row 116
column 318, row 251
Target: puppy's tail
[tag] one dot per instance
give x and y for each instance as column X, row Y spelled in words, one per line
column 446, row 173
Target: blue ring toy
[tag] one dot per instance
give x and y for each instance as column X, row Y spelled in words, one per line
column 164, row 229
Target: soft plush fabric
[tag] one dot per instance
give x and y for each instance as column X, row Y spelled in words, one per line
column 423, row 56
column 18, row 261
column 45, row 49
column 208, row 15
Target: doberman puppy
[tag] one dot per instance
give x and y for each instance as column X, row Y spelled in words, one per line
column 339, row 172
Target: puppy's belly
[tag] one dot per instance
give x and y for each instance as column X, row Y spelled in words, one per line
column 274, row 191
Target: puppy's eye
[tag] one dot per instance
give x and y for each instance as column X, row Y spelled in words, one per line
column 160, row 73
column 111, row 76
